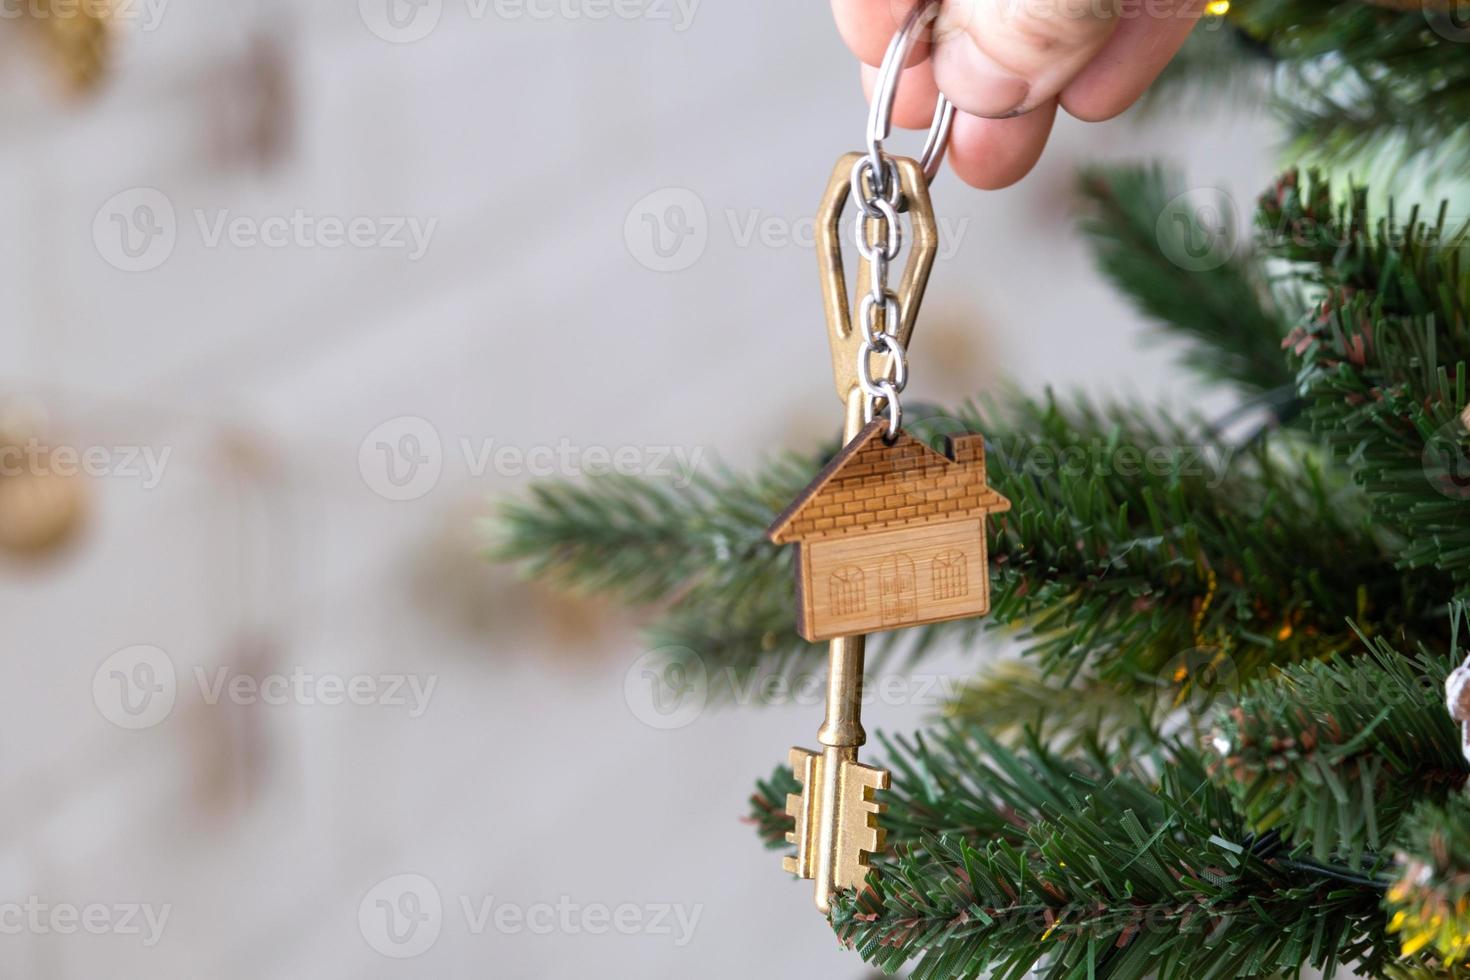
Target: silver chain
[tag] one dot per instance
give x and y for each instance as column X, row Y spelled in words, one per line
column 876, row 188
column 879, row 239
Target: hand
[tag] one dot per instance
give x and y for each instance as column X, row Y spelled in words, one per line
column 1008, row 64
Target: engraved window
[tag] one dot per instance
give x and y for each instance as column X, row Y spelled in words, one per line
column 846, row 592
column 951, row 576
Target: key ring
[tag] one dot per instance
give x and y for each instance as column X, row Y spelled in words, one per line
column 880, row 114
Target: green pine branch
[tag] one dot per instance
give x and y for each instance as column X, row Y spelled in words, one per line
column 1383, row 359
column 1357, row 81
column 1334, row 754
column 643, row 540
column 1013, row 700
column 1134, row 545
column 1114, row 867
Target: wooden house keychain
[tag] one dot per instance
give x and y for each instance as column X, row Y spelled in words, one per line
column 891, row 533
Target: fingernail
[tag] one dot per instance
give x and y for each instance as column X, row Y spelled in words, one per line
column 975, row 82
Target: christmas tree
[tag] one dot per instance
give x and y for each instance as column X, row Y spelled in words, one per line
column 1258, row 771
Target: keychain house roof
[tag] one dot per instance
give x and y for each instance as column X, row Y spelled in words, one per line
column 891, row 535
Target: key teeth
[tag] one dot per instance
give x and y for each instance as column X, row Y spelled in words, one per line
column 803, row 767
column 863, row 835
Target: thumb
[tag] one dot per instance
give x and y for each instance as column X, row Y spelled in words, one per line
column 1004, row 57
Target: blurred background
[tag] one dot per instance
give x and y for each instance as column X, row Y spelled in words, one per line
column 289, row 295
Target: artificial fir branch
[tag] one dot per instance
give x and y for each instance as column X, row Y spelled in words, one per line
column 1013, row 699
column 1358, row 80
column 644, row 541
column 1134, row 545
column 1385, row 359
column 1334, row 754
column 1109, row 867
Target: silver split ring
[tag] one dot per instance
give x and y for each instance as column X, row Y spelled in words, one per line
column 885, row 89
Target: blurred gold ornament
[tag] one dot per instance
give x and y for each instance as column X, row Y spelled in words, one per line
column 40, row 510
column 42, row 505
column 78, row 34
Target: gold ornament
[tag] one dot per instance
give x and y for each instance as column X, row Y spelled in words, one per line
column 78, row 36
column 40, row 510
column 41, row 505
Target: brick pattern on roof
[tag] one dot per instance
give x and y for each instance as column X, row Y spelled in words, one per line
column 879, row 486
